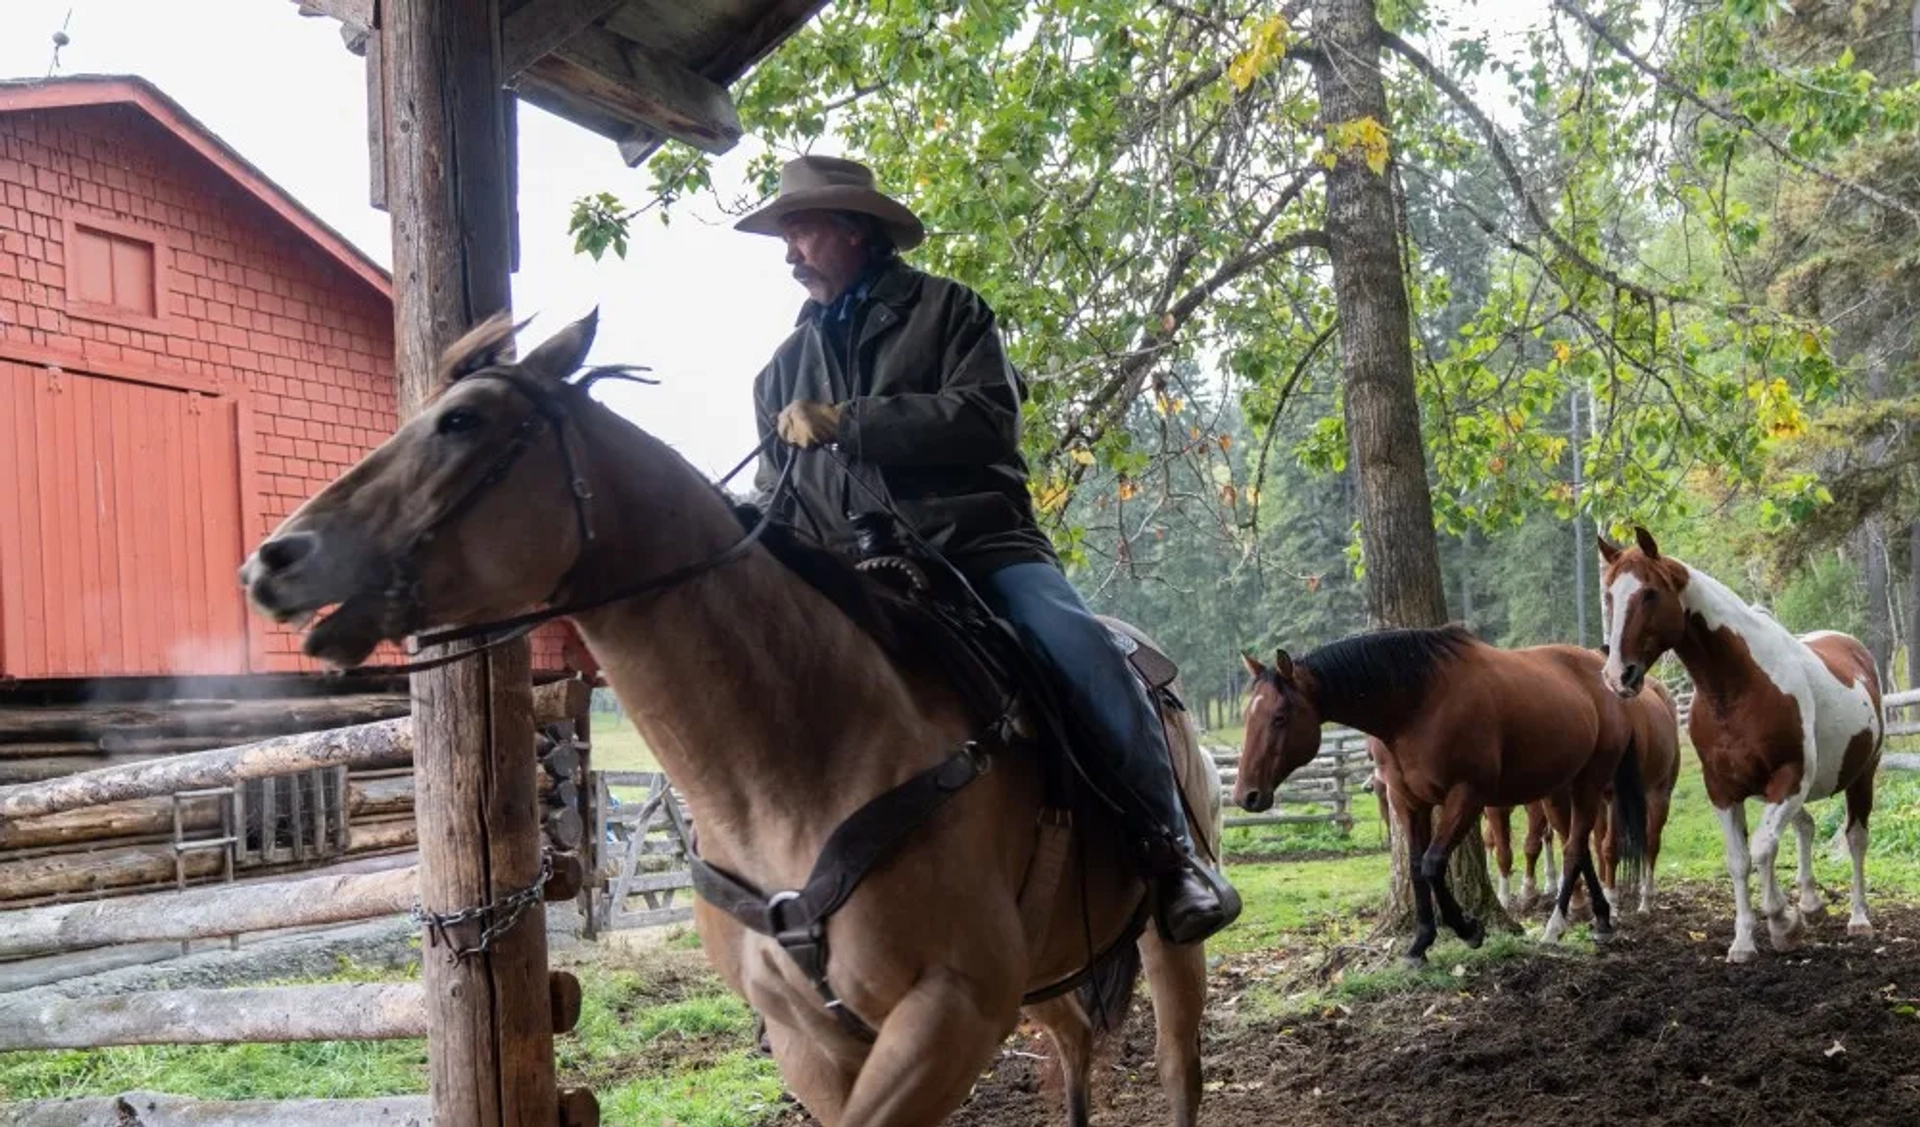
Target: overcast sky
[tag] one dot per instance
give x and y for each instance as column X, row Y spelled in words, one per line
column 702, row 305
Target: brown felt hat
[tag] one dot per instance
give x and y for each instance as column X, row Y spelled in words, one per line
column 813, row 183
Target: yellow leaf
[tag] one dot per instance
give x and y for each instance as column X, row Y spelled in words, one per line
column 1128, row 490
column 1809, row 343
column 1228, row 493
column 1226, row 442
column 1084, row 457
column 1562, row 351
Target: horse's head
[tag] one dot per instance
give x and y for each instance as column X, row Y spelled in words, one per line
column 1644, row 618
column 467, row 513
column 1283, row 731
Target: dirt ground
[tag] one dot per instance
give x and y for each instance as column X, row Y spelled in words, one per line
column 1654, row 1029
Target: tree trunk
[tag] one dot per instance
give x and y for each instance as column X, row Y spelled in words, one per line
column 1872, row 539
column 1403, row 580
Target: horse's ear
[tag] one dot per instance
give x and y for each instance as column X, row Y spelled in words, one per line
column 1608, row 552
column 1283, row 665
column 561, row 354
column 1253, row 664
column 1645, row 539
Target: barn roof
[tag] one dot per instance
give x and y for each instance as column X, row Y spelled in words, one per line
column 636, row 71
column 127, row 90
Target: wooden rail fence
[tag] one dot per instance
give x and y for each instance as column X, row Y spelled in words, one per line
column 137, row 801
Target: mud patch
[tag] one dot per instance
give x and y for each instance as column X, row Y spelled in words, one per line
column 1655, row 1028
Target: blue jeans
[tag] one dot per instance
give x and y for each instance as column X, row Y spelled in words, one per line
column 1095, row 679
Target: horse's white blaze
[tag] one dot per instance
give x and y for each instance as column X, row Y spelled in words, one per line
column 1618, row 596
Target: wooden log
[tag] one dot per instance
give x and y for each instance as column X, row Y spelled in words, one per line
column 330, row 1012
column 384, row 744
column 156, row 1109
column 15, row 772
column 449, row 192
column 48, row 748
column 569, row 873
column 227, row 719
column 89, row 870
column 579, row 1108
column 204, row 912
column 565, row 997
column 564, row 828
column 563, row 762
column 150, row 817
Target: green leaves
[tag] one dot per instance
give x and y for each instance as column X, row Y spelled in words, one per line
column 599, row 222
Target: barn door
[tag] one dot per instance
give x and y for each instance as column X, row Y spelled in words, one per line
column 120, row 528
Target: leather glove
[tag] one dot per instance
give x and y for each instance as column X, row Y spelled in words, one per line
column 808, row 423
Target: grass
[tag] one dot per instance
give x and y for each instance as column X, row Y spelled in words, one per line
column 617, row 745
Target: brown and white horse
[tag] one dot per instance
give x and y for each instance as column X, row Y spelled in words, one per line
column 1788, row 720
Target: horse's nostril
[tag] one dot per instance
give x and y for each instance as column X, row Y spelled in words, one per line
column 283, row 552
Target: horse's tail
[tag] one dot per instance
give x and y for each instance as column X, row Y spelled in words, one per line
column 1107, row 994
column 1629, row 816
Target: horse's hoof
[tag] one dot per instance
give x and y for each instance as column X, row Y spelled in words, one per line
column 1602, row 934
column 1475, row 935
column 1787, row 935
column 1737, row 954
column 1860, row 929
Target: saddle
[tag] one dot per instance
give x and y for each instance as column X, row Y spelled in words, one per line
column 1009, row 694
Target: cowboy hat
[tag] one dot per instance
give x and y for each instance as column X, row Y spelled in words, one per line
column 812, row 183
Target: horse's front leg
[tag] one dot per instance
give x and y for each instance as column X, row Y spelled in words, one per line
column 1456, row 818
column 1784, row 926
column 931, row 1049
column 1574, row 862
column 1177, row 979
column 1419, row 827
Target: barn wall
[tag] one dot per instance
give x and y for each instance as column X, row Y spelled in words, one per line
column 251, row 311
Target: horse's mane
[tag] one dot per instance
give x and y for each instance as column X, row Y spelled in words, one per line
column 1386, row 666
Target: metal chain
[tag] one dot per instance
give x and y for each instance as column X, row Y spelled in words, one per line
column 502, row 914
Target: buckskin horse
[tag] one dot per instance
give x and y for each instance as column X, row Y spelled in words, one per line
column 1464, row 726
column 782, row 714
column 1788, row 720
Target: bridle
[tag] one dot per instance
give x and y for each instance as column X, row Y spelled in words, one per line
column 549, row 410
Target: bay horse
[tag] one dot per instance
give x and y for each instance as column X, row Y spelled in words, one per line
column 1656, row 740
column 1500, row 843
column 1788, row 720
column 1463, row 726
column 778, row 711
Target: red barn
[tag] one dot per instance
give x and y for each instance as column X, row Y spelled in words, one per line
column 186, row 354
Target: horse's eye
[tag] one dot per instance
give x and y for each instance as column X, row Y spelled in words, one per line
column 460, row 420
column 1652, row 597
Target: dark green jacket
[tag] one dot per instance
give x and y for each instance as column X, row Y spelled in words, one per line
column 932, row 422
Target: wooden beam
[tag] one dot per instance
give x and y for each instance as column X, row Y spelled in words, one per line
column 490, row 1034
column 157, row 1109
column 201, row 913
column 640, row 87
column 384, row 744
column 331, row 1012
column 376, row 126
column 541, row 26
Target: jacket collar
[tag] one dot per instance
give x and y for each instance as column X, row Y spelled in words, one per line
column 896, row 286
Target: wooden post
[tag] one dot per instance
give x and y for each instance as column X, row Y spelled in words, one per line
column 490, row 1028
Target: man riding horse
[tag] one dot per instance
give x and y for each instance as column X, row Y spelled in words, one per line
column 902, row 374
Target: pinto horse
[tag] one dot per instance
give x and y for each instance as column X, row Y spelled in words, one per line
column 780, row 704
column 1788, row 720
column 1463, row 726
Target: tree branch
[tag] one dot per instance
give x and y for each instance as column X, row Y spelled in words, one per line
column 1734, row 118
column 1515, row 183
column 1273, row 423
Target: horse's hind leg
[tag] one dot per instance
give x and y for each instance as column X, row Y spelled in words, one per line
column 1500, row 838
column 1859, row 807
column 1607, row 846
column 1456, row 816
column 1072, row 1034
column 1657, row 807
column 1539, row 836
column 1177, row 979
column 1811, row 905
